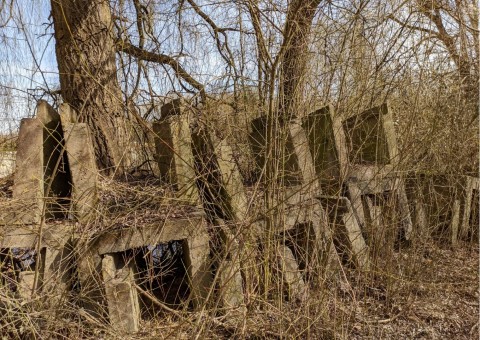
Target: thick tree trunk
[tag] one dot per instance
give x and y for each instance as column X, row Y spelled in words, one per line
column 297, row 30
column 85, row 52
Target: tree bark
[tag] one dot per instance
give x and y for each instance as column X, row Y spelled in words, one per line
column 85, row 50
column 297, row 30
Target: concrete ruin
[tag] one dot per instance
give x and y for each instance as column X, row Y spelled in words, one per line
column 444, row 206
column 297, row 217
column 355, row 160
column 106, row 259
column 339, row 189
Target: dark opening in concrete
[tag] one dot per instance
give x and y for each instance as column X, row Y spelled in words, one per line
column 17, row 269
column 57, row 177
column 161, row 271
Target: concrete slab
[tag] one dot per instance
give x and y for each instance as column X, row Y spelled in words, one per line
column 346, row 229
column 25, row 284
column 174, row 154
column 288, row 161
column 292, row 276
column 466, row 190
column 28, row 179
column 121, row 295
column 81, row 159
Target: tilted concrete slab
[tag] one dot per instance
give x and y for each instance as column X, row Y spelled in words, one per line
column 346, row 229
column 292, row 276
column 28, row 179
column 81, row 159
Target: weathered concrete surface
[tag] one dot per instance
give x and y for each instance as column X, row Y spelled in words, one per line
column 454, row 224
column 42, row 174
column 81, row 159
column 467, row 186
column 287, row 159
column 292, row 276
column 387, row 190
column 323, row 141
column 25, row 284
column 231, row 283
column 173, row 143
column 235, row 195
column 438, row 205
column 358, row 154
column 28, row 180
column 369, row 137
column 121, row 295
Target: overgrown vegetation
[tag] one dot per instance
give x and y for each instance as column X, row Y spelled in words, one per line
column 230, row 63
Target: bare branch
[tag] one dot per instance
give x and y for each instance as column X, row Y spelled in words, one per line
column 127, row 47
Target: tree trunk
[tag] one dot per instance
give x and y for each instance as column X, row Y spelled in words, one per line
column 85, row 52
column 297, row 30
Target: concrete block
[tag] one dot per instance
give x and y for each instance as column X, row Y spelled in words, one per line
column 54, row 276
column 235, row 196
column 455, row 223
column 381, row 187
column 381, row 238
column 56, row 174
column 25, row 284
column 121, row 295
column 346, row 229
column 370, row 138
column 28, row 179
column 198, row 265
column 466, row 193
column 324, row 143
column 192, row 231
column 231, row 283
column 175, row 159
column 81, row 158
column 230, row 264
column 42, row 171
column 291, row 274
column 288, row 162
